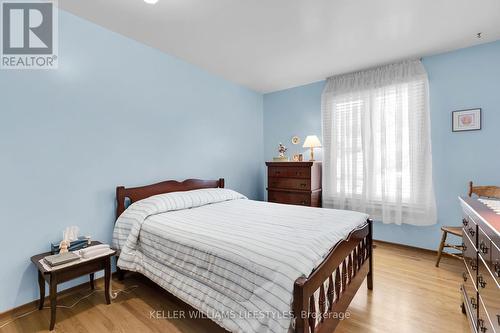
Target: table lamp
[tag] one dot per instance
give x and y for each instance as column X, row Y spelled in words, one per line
column 312, row 142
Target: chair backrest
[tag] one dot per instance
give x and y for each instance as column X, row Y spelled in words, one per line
column 484, row 191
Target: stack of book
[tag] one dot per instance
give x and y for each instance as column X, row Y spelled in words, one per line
column 80, row 243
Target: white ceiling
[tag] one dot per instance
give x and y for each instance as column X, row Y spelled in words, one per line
column 270, row 45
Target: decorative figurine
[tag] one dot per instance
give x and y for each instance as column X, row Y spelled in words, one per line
column 281, row 150
column 281, row 154
column 63, row 246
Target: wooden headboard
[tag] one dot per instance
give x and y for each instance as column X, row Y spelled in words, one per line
column 138, row 193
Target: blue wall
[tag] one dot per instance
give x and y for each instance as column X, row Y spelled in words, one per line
column 115, row 113
column 467, row 78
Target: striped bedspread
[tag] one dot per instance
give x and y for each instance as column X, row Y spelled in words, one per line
column 233, row 259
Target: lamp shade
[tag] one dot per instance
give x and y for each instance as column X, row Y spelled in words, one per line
column 311, row 141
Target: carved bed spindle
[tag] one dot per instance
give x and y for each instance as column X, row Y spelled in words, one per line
column 322, row 301
column 338, row 285
column 360, row 255
column 312, row 314
column 349, row 268
column 344, row 275
column 330, row 293
column 355, row 259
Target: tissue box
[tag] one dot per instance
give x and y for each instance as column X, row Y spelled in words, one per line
column 78, row 244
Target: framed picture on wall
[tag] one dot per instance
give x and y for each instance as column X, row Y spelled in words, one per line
column 466, row 120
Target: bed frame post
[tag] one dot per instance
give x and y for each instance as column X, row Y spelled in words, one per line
column 298, row 306
column 369, row 277
column 120, row 199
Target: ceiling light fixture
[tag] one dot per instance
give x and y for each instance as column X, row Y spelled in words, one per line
column 151, row 2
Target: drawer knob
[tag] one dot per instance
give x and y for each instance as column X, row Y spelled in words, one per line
column 464, row 276
column 303, row 203
column 481, row 281
column 480, row 323
column 483, row 247
column 465, row 222
column 303, row 185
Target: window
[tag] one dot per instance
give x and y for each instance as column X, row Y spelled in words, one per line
column 377, row 156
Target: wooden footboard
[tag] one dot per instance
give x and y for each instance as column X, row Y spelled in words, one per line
column 318, row 308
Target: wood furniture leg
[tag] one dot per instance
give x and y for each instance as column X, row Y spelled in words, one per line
column 369, row 277
column 120, row 272
column 107, row 279
column 441, row 247
column 92, row 281
column 41, row 285
column 53, row 301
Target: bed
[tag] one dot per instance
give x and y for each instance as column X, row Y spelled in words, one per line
column 250, row 266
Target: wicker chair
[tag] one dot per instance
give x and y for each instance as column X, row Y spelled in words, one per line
column 480, row 191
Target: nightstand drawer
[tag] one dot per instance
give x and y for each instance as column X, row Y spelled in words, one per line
column 80, row 270
column 289, row 183
column 292, row 198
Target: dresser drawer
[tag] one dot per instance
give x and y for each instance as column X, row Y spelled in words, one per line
column 486, row 324
column 467, row 221
column 289, row 183
column 484, row 245
column 292, row 198
column 470, row 231
column 277, row 171
column 469, row 297
column 489, row 293
column 298, row 172
column 495, row 262
column 469, row 249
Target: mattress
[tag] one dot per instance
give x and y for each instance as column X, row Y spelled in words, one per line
column 233, row 259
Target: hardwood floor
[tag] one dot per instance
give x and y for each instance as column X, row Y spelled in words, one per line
column 410, row 295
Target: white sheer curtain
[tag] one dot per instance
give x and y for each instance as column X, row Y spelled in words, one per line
column 377, row 144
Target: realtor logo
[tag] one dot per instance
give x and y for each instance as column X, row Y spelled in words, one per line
column 29, row 35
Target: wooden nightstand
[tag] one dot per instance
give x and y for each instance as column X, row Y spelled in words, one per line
column 64, row 274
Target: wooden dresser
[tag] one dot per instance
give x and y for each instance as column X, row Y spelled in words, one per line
column 295, row 183
column 481, row 278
